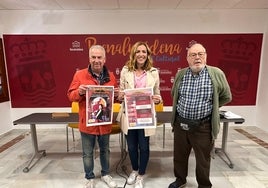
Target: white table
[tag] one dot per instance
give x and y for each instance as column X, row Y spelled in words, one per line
column 162, row 117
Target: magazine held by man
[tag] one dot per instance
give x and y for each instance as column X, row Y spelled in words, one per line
column 99, row 105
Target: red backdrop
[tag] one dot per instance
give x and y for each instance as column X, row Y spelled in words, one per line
column 41, row 67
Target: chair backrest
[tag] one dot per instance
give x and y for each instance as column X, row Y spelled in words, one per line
column 115, row 127
column 75, row 107
column 116, row 107
column 159, row 107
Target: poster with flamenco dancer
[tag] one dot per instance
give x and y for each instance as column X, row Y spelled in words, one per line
column 99, row 105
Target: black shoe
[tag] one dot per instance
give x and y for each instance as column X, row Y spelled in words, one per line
column 176, row 184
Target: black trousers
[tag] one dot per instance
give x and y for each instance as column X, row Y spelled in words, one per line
column 201, row 142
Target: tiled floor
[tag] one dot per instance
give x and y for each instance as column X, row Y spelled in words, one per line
column 246, row 146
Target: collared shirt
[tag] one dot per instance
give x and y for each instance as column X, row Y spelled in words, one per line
column 98, row 77
column 101, row 78
column 195, row 101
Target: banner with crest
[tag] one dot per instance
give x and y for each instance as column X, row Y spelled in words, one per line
column 41, row 67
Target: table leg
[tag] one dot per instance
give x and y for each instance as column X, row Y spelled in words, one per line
column 222, row 150
column 36, row 152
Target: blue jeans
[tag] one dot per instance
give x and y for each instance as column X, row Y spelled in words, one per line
column 88, row 145
column 138, row 149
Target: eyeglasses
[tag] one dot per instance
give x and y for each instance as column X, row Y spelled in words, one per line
column 194, row 55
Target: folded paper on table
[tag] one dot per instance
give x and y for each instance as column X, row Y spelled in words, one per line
column 60, row 114
column 231, row 115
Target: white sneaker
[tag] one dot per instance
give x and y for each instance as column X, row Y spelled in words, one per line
column 132, row 177
column 90, row 184
column 139, row 182
column 109, row 181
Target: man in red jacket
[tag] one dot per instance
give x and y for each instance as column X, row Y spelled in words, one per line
column 95, row 74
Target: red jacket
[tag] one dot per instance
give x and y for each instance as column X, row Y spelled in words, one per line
column 84, row 77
